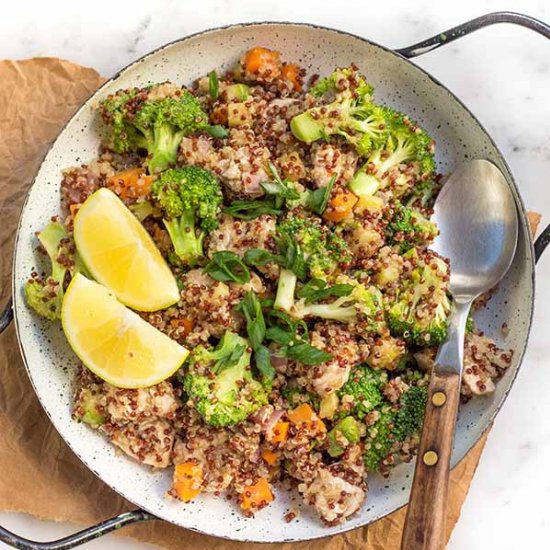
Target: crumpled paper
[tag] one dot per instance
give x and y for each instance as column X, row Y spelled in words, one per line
column 39, row 473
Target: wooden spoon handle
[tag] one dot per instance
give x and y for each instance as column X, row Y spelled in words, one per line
column 425, row 521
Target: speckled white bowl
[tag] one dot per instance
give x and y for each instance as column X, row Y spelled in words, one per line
column 399, row 83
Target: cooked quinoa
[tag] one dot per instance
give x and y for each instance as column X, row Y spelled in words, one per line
column 310, row 300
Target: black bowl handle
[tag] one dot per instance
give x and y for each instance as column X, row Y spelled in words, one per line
column 459, row 31
column 541, row 243
column 469, row 27
column 86, row 535
column 7, row 316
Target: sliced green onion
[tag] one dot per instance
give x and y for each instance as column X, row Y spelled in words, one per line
column 307, row 354
column 227, row 266
column 213, row 85
column 248, row 210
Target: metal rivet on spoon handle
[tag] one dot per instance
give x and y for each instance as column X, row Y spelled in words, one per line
column 477, row 217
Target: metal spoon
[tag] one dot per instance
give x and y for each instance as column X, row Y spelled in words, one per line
column 477, row 219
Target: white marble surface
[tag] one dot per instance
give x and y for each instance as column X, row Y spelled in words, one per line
column 501, row 73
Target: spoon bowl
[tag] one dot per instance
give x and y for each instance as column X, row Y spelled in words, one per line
column 477, row 219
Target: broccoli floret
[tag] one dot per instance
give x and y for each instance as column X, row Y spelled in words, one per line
column 117, row 112
column 342, row 309
column 368, row 301
column 324, row 250
column 346, row 432
column 405, row 163
column 410, row 228
column 351, row 115
column 362, row 392
column 91, row 413
column 419, row 313
column 361, row 124
column 155, row 119
column 220, row 384
column 380, row 438
column 410, row 415
column 345, row 80
column 315, row 251
column 45, row 296
column 362, row 301
column 406, row 143
column 388, row 353
column 394, row 425
column 191, row 199
column 354, row 301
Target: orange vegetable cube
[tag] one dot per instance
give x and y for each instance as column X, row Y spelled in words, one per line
column 269, row 456
column 262, row 62
column 257, row 496
column 188, row 478
column 132, row 182
column 304, row 414
column 184, row 322
column 278, row 433
column 291, row 72
column 340, row 206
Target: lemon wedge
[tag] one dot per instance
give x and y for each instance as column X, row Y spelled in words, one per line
column 113, row 341
column 121, row 255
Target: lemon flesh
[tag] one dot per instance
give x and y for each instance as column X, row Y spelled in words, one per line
column 121, row 255
column 113, row 341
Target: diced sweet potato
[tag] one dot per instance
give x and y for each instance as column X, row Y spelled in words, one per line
column 278, row 433
column 188, row 480
column 291, row 72
column 304, row 414
column 340, row 206
column 269, row 456
column 184, row 322
column 257, row 496
column 132, row 182
column 262, row 62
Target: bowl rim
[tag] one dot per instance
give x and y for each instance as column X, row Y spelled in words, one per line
column 522, row 221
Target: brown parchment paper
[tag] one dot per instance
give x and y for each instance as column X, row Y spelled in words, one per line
column 39, row 474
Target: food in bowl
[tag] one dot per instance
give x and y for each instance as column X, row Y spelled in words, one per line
column 245, row 273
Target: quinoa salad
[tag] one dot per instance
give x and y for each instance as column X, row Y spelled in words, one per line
column 292, row 213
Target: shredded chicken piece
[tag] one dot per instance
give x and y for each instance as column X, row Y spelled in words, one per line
column 334, row 498
column 129, row 405
column 484, row 362
column 148, row 441
column 210, row 304
column 327, row 160
column 240, row 235
column 332, row 375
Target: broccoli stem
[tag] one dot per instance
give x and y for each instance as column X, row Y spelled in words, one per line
column 285, row 290
column 187, row 246
column 336, row 310
column 238, row 92
column 46, row 299
column 402, row 153
column 306, row 128
column 364, row 185
column 166, row 141
column 51, row 238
